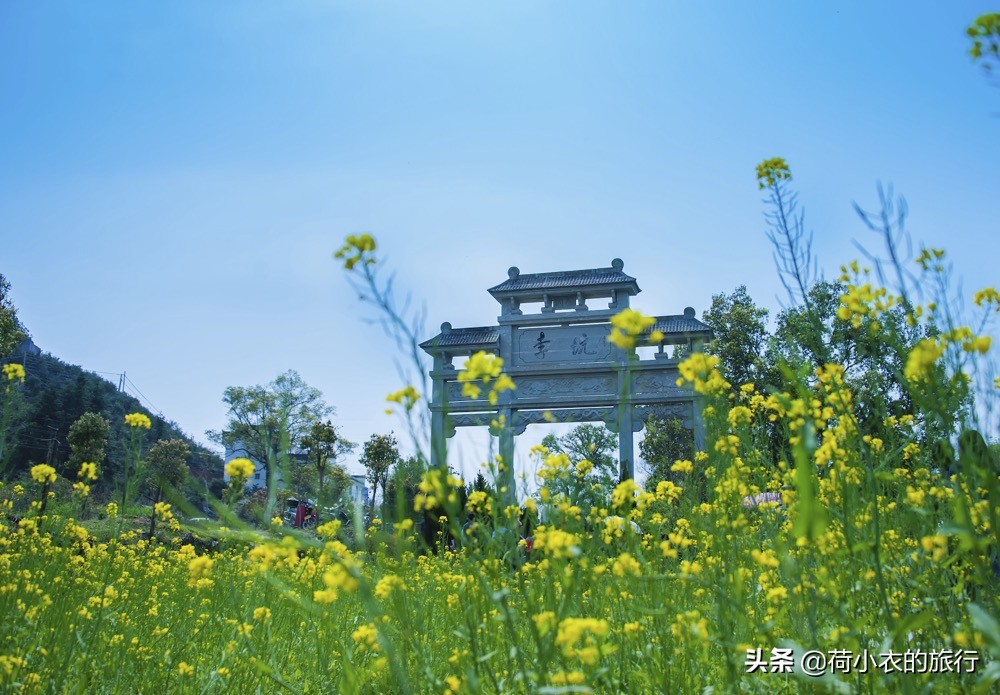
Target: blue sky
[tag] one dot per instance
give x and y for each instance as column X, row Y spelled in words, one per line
column 176, row 175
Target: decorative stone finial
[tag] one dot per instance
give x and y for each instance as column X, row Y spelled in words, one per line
column 513, row 272
column 445, row 327
column 689, row 312
column 618, row 264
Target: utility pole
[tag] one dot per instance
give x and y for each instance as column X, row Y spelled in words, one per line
column 121, row 382
column 53, row 441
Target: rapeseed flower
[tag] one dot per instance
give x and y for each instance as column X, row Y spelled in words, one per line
column 628, row 325
column 88, row 471
column 43, row 474
column 14, row 372
column 357, row 248
column 240, row 468
column 138, row 420
column 922, row 358
column 771, row 171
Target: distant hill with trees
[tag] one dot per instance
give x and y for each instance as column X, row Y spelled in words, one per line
column 55, row 395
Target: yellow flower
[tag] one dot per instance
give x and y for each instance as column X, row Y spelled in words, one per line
column 980, row 344
column 987, row 296
column 739, row 415
column 573, row 630
column 14, row 372
column 43, row 473
column 628, row 325
column 700, row 370
column 162, row 511
column 329, row 529
column 138, row 420
column 112, row 510
column 922, row 358
column 88, row 471
column 340, row 577
column 503, row 383
column 200, row 566
column 556, row 542
column 366, row 636
column 184, row 670
column 240, row 468
column 485, row 368
column 480, row 503
column 681, row 467
column 624, row 494
column 928, row 255
column 357, row 248
column 261, row 614
column 767, row 558
column 570, row 678
column 387, row 584
column 624, row 565
column 937, row 545
column 770, row 171
column 407, row 397
column 915, row 496
column 436, row 488
column 666, row 490
column 544, row 622
column 777, row 595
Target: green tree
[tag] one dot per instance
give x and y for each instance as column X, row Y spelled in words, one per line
column 588, row 442
column 480, row 484
column 11, row 330
column 88, row 441
column 166, row 468
column 402, row 487
column 665, row 442
column 739, row 336
column 268, row 421
column 380, row 454
column 323, row 445
column 340, row 483
column 873, row 365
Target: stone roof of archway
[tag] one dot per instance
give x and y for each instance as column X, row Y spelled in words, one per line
column 567, row 280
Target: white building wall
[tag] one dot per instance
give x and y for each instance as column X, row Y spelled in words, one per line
column 358, row 491
column 237, row 451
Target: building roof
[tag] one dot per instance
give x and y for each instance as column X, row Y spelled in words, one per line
column 566, row 280
column 481, row 336
column 680, row 323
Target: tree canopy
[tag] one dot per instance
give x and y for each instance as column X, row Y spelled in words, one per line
column 739, row 335
column 323, row 445
column 380, row 454
column 88, row 439
column 11, row 330
column 262, row 417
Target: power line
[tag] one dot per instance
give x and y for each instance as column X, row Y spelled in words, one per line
column 123, row 380
column 143, row 396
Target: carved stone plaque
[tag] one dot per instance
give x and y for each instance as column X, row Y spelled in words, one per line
column 551, row 345
column 660, row 383
column 570, row 385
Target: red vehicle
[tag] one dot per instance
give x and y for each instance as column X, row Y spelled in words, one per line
column 300, row 513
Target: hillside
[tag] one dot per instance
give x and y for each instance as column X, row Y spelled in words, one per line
column 55, row 394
